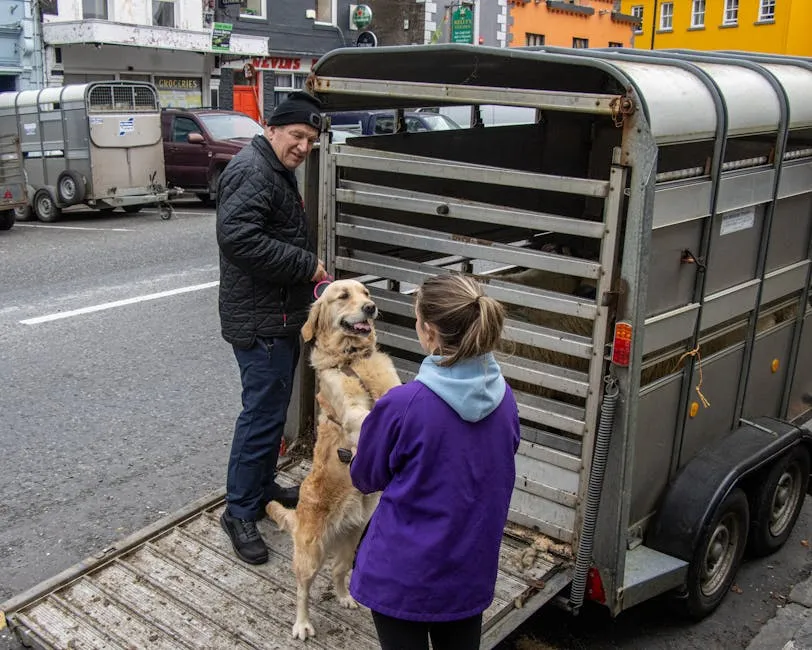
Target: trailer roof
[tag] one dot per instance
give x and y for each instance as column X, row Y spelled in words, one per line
column 683, row 98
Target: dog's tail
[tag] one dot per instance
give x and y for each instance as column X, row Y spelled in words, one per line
column 284, row 517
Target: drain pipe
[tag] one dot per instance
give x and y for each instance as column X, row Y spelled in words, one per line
column 584, row 558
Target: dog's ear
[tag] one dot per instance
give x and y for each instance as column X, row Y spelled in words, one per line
column 312, row 322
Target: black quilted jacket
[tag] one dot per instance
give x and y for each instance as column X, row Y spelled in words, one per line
column 266, row 256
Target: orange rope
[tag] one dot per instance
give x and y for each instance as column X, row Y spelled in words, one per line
column 695, row 353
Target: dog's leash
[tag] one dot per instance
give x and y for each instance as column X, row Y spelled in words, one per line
column 321, row 286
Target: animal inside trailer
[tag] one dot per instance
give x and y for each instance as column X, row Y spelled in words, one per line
column 650, row 235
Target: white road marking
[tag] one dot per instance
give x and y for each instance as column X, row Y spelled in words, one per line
column 117, row 303
column 39, row 225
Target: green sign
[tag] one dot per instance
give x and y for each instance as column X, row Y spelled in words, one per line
column 221, row 37
column 361, row 16
column 462, row 25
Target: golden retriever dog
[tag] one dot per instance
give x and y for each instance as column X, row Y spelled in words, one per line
column 352, row 373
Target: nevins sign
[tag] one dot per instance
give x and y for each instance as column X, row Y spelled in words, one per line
column 282, row 63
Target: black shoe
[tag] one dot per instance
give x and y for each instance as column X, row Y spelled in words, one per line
column 245, row 538
column 288, row 497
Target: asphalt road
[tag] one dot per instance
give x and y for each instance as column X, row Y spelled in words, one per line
column 111, row 418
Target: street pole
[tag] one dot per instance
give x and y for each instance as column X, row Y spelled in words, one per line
column 654, row 23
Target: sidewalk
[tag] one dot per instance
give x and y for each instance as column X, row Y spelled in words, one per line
column 791, row 627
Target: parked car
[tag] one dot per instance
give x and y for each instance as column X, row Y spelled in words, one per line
column 199, row 142
column 383, row 122
column 492, row 115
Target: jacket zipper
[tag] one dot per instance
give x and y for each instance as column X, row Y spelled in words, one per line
column 284, row 296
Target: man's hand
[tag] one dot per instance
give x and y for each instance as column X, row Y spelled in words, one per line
column 320, row 273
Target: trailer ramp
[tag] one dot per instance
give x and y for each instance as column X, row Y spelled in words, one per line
column 178, row 585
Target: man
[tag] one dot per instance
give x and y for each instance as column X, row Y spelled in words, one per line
column 268, row 265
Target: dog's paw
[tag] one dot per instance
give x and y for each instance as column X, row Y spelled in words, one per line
column 302, row 629
column 348, row 602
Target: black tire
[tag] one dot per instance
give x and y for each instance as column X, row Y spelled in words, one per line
column 213, row 183
column 133, row 209
column 7, row 219
column 779, row 501
column 206, row 200
column 70, row 187
column 23, row 213
column 718, row 555
column 45, row 207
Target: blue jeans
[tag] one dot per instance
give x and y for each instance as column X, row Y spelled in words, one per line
column 267, row 370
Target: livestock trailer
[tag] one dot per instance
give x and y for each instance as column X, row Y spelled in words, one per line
column 12, row 180
column 649, row 233
column 97, row 144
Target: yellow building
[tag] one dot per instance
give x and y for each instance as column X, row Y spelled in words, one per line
column 569, row 23
column 776, row 26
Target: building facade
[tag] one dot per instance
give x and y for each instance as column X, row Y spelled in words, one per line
column 297, row 34
column 170, row 43
column 569, row 23
column 774, row 26
column 21, row 58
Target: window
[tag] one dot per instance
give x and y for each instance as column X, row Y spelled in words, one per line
column 182, row 127
column 698, row 14
column 533, row 39
column 581, row 43
column 163, row 13
column 253, row 8
column 731, row 16
column 637, row 12
column 94, row 9
column 286, row 83
column 615, row 44
column 326, row 11
column 766, row 11
column 667, row 16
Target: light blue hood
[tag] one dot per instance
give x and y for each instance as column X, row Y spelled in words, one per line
column 473, row 387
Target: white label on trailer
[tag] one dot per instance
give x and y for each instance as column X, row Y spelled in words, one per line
column 30, row 128
column 97, row 120
column 126, row 126
column 738, row 220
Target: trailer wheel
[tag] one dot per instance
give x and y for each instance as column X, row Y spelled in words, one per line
column 718, row 555
column 779, row 502
column 23, row 213
column 70, row 187
column 6, row 219
column 45, row 207
column 132, row 209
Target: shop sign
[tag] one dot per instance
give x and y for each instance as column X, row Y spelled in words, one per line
column 462, row 25
column 180, row 92
column 366, row 39
column 221, row 37
column 361, row 16
column 287, row 63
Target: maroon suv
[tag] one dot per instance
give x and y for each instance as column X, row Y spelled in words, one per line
column 199, row 142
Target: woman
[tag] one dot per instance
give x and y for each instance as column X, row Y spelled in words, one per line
column 441, row 450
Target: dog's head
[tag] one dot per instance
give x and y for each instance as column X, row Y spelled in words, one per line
column 343, row 311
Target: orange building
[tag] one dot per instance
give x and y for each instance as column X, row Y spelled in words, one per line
column 569, row 23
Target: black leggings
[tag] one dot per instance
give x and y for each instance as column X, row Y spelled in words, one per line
column 397, row 634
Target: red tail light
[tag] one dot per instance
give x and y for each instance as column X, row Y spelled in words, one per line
column 594, row 586
column 622, row 344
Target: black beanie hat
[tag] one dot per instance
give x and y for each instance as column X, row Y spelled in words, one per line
column 298, row 108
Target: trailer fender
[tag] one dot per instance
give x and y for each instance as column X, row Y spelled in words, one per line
column 700, row 486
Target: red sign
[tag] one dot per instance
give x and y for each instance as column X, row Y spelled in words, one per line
column 292, row 63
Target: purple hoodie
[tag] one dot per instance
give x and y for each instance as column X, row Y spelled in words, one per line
column 441, row 449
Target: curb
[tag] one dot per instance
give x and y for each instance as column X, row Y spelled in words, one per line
column 791, row 627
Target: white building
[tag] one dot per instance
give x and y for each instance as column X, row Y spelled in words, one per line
column 170, row 43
